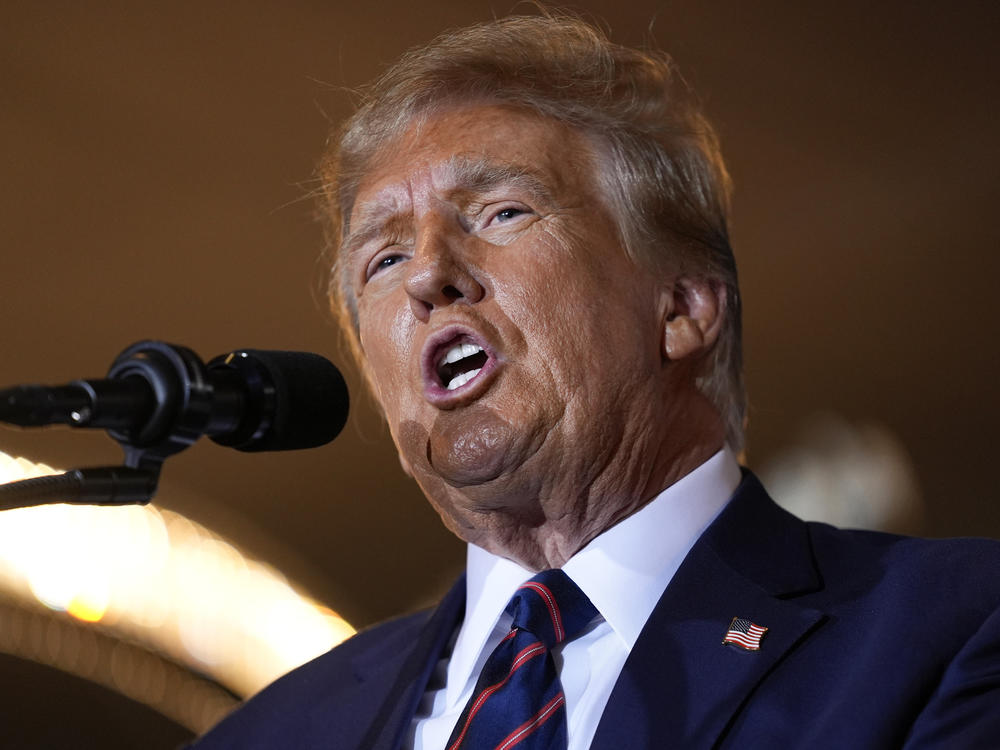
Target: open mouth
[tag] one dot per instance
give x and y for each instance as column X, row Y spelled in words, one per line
column 459, row 364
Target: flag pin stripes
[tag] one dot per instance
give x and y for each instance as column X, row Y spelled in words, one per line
column 744, row 634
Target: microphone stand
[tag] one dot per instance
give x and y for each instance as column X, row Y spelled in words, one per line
column 180, row 415
column 106, row 485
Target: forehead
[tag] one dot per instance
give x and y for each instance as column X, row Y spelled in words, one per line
column 476, row 147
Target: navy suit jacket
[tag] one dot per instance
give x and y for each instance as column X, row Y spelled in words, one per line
column 873, row 641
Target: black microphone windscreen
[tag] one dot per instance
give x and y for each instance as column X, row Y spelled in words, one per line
column 310, row 400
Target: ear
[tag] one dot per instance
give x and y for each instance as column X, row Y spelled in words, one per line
column 695, row 311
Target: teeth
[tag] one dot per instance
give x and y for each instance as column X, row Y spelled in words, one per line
column 461, row 351
column 462, row 378
column 458, row 353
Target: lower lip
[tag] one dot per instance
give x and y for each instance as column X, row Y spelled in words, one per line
column 439, row 396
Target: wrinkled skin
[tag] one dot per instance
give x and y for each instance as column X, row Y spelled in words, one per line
column 485, row 223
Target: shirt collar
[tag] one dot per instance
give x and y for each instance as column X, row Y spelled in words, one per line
column 624, row 571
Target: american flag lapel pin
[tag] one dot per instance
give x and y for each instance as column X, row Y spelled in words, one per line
column 744, row 634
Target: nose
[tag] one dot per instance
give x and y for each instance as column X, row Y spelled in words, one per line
column 438, row 274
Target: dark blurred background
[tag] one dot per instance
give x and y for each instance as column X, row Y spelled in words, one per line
column 158, row 165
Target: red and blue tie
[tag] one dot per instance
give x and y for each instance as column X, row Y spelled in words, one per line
column 518, row 700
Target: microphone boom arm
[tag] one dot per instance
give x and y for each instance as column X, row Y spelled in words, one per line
column 107, row 485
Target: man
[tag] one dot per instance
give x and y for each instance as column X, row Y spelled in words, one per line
column 534, row 268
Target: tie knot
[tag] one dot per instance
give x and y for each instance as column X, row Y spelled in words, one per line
column 551, row 607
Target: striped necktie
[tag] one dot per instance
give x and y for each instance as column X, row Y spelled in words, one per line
column 518, row 700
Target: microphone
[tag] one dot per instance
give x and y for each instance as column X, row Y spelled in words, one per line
column 160, row 397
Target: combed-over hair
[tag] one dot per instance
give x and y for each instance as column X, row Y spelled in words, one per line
column 658, row 157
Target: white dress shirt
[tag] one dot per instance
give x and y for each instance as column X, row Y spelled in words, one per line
column 624, row 571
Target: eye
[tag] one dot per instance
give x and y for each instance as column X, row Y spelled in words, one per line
column 508, row 214
column 389, row 260
column 382, row 262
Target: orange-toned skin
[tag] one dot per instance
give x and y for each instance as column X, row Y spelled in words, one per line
column 591, row 406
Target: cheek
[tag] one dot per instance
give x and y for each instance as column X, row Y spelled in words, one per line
column 585, row 331
column 386, row 333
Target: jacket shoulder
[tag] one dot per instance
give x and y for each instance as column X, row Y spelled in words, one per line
column 959, row 570
column 280, row 714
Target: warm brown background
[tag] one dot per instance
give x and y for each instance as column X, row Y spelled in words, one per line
column 156, row 168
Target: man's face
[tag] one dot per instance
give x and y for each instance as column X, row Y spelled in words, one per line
column 512, row 343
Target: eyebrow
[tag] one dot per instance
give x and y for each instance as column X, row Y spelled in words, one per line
column 468, row 175
column 481, row 175
column 380, row 220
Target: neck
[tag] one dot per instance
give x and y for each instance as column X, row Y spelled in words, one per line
column 541, row 518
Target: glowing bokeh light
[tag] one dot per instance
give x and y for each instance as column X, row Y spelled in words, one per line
column 153, row 575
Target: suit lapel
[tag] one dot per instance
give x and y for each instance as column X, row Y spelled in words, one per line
column 392, row 679
column 397, row 710
column 680, row 682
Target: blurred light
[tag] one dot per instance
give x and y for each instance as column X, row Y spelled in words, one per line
column 88, row 610
column 137, row 672
column 848, row 475
column 154, row 576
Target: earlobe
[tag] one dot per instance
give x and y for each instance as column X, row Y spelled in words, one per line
column 694, row 317
column 682, row 338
